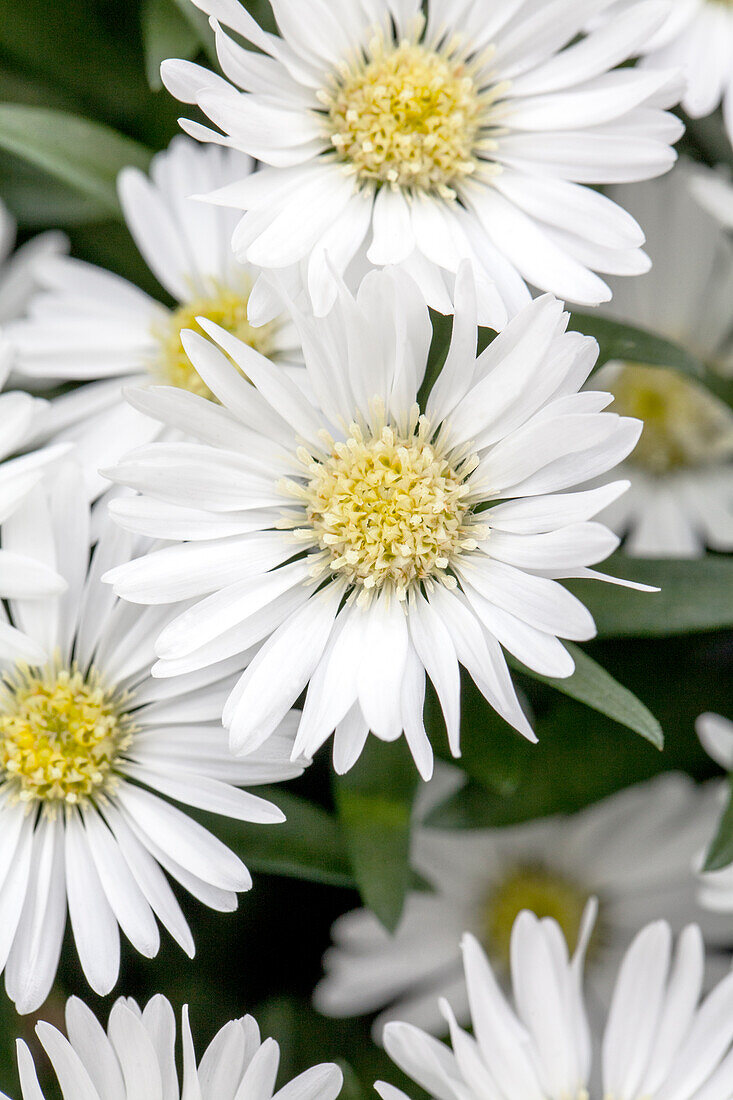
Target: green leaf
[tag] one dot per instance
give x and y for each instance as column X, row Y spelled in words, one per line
column 442, row 331
column 696, row 595
column 308, row 845
column 84, row 155
column 618, row 340
column 592, row 685
column 374, row 802
column 720, row 854
column 38, row 202
column 199, row 25
column 166, row 33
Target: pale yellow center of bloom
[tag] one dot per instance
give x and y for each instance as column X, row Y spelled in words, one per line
column 409, row 116
column 389, row 509
column 543, row 892
column 227, row 308
column 61, row 734
column 685, row 426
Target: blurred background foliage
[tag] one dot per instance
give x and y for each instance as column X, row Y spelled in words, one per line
column 80, row 97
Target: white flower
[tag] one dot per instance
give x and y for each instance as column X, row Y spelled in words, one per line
column 346, row 536
column 697, row 37
column 93, row 327
column 136, row 1058
column 18, row 271
column 469, row 133
column 88, row 745
column 716, row 736
column 681, row 497
column 660, row 1040
column 481, row 879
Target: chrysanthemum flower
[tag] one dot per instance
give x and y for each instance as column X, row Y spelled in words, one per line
column 350, row 538
column 696, row 37
column 716, row 734
column 136, row 1057
column 91, row 750
column 93, row 327
column 468, row 133
column 660, row 1039
column 681, row 472
column 481, row 880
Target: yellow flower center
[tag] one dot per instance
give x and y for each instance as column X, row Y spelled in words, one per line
column 60, row 736
column 389, row 509
column 409, row 116
column 227, row 308
column 685, row 426
column 544, row 893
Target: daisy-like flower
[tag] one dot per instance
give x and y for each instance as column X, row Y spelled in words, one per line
column 716, row 736
column 696, row 37
column 91, row 750
column 350, row 536
column 482, row 879
column 660, row 1038
column 136, row 1057
column 681, row 473
column 92, row 327
column 465, row 133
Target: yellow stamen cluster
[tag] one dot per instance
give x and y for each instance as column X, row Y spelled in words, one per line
column 685, row 426
column 389, row 509
column 408, row 116
column 60, row 735
column 544, row 893
column 227, row 308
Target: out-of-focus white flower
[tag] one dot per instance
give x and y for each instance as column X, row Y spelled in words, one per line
column 136, row 1057
column 481, row 879
column 660, row 1039
column 347, row 537
column 464, row 133
column 91, row 750
column 92, row 327
column 19, row 270
column 681, row 473
column 714, row 191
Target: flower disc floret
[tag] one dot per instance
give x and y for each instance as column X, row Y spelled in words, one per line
column 685, row 426
column 61, row 734
column 409, row 116
column 389, row 509
column 227, row 308
column 540, row 890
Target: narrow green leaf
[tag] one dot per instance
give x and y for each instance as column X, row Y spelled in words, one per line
column 166, row 33
column 308, row 845
column 442, row 331
column 374, row 802
column 696, row 595
column 592, row 685
column 618, row 340
column 720, row 854
column 84, row 155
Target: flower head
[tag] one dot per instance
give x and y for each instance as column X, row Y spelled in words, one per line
column 91, row 751
column 389, row 136
column 88, row 326
column 136, row 1056
column 660, row 1038
column 350, row 536
column 681, row 472
column 481, row 879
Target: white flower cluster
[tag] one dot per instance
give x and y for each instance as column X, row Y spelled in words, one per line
column 256, row 515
